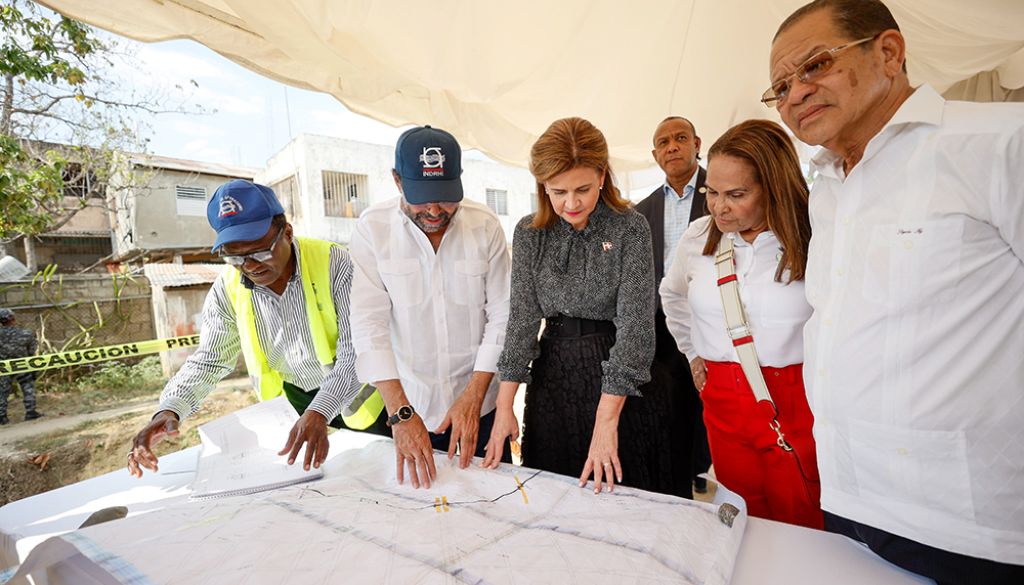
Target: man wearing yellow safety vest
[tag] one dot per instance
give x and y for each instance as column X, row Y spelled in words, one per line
column 283, row 302
column 430, row 302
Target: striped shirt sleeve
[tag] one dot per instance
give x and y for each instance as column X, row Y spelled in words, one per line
column 214, row 359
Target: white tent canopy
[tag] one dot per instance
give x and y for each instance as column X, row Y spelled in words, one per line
column 497, row 73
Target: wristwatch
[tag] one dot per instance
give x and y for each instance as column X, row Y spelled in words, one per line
column 401, row 415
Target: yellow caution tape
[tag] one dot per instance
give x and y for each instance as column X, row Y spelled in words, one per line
column 92, row 355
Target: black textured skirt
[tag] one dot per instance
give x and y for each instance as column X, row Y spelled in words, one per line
column 561, row 403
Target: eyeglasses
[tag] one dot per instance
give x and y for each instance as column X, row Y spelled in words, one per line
column 261, row 256
column 809, row 71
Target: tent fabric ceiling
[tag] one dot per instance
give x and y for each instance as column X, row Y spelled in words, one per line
column 496, row 74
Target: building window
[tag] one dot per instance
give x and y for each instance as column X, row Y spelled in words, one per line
column 345, row 194
column 81, row 183
column 497, row 200
column 287, row 191
column 190, row 200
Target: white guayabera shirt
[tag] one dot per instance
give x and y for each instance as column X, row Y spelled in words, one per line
column 429, row 319
column 915, row 350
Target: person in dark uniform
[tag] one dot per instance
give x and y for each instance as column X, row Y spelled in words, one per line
column 669, row 209
column 17, row 342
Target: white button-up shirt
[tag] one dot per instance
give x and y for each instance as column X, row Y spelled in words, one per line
column 429, row 319
column 915, row 350
column 693, row 304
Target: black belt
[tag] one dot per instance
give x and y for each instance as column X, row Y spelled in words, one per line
column 563, row 326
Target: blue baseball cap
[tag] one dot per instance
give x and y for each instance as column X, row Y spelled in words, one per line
column 241, row 211
column 429, row 163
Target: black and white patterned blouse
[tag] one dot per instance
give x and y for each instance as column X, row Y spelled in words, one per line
column 603, row 272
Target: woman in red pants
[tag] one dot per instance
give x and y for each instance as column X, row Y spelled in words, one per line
column 734, row 296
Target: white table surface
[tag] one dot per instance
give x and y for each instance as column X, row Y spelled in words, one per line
column 771, row 552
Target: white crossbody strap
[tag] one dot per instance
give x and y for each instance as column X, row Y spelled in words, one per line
column 738, row 328
column 736, row 321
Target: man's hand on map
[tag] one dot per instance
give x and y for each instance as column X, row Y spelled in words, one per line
column 311, row 428
column 164, row 424
column 413, row 450
column 505, row 426
column 464, row 419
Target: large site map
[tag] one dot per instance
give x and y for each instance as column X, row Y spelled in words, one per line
column 358, row 525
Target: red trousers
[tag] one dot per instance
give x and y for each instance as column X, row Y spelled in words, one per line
column 776, row 484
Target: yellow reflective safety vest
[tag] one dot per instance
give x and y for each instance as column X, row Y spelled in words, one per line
column 314, row 266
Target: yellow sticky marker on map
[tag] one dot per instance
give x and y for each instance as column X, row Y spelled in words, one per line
column 526, row 500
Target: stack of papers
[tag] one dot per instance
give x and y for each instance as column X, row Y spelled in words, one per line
column 239, row 453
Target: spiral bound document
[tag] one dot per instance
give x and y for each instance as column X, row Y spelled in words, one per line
column 239, row 453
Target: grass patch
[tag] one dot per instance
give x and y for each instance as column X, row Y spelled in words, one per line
column 111, row 385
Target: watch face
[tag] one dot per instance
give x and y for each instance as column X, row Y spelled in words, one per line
column 404, row 413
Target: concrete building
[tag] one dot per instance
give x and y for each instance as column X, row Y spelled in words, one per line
column 158, row 207
column 324, row 184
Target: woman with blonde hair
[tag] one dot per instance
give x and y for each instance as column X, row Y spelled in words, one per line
column 583, row 265
column 734, row 296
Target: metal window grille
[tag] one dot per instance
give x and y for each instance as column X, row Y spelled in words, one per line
column 345, row 194
column 497, row 200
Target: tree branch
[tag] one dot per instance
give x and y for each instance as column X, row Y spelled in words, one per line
column 8, row 104
column 54, row 100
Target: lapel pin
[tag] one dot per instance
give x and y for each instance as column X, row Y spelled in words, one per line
column 605, row 246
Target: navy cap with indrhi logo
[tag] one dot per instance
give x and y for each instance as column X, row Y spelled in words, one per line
column 429, row 164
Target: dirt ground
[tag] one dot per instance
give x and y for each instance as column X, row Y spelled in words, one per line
column 52, row 460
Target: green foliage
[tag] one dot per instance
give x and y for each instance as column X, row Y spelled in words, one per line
column 63, row 304
column 26, row 185
column 118, row 376
column 102, row 386
column 37, row 48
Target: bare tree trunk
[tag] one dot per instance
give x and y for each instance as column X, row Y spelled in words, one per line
column 7, row 107
column 30, row 255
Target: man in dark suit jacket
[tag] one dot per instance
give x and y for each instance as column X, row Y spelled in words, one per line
column 669, row 210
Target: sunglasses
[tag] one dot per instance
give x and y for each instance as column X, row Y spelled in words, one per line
column 809, row 71
column 261, row 256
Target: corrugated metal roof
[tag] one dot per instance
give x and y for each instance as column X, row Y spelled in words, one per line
column 175, row 275
column 76, row 234
column 195, row 166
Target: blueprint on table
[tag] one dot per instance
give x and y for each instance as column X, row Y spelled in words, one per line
column 358, row 525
